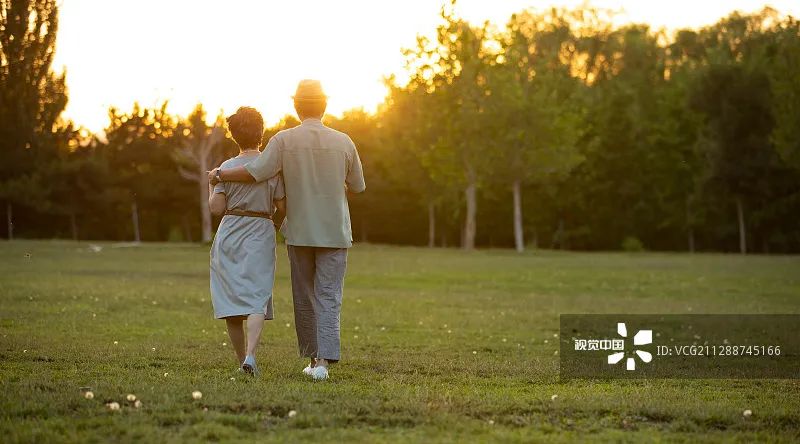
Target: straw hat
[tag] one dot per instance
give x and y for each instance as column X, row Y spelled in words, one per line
column 309, row 90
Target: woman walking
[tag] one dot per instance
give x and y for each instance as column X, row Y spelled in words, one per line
column 243, row 252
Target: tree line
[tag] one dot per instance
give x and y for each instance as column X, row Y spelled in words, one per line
column 557, row 130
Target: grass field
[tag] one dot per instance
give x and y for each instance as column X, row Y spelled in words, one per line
column 438, row 345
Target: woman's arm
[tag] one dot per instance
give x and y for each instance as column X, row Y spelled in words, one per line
column 217, row 202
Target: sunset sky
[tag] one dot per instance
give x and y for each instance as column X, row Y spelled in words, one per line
column 239, row 52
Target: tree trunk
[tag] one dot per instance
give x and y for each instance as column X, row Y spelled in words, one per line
column 205, row 212
column 73, row 223
column 535, row 241
column 10, row 220
column 469, row 223
column 135, row 216
column 519, row 241
column 431, row 225
column 558, row 237
column 742, row 229
column 187, row 229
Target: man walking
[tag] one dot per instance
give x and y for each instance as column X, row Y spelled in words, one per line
column 319, row 166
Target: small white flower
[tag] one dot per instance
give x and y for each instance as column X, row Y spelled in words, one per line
column 554, row 397
column 113, row 405
column 137, row 404
column 88, row 395
column 116, row 342
column 474, row 352
column 355, row 336
column 555, row 335
column 449, row 331
column 356, row 328
column 224, row 344
column 546, row 341
column 292, row 413
column 233, row 379
column 288, row 325
column 491, row 422
column 505, row 340
column 154, row 349
column 747, row 413
column 24, row 351
column 131, row 397
column 383, row 328
column 555, row 352
column 196, row 394
column 166, row 374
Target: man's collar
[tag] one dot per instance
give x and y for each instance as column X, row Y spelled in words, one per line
column 311, row 121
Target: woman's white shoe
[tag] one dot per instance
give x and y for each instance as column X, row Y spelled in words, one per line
column 319, row 373
column 308, row 370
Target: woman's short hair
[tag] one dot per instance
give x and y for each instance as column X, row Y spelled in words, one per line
column 247, row 127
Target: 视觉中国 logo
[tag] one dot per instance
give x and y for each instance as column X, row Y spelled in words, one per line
column 617, row 346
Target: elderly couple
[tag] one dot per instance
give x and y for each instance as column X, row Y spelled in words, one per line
column 305, row 173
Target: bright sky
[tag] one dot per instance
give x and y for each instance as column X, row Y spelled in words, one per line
column 229, row 53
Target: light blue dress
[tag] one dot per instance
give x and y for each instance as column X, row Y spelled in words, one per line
column 243, row 252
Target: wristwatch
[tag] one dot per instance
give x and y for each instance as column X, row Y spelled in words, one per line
column 217, row 176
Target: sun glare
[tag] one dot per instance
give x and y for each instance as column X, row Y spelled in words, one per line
column 239, row 52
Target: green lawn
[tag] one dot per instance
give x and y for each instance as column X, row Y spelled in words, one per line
column 438, row 345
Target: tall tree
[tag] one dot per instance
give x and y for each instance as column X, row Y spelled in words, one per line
column 198, row 153
column 535, row 106
column 32, row 96
column 456, row 68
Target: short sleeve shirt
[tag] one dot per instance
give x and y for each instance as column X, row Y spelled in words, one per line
column 319, row 165
column 257, row 197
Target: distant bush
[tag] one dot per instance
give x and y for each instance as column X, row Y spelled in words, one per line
column 632, row 244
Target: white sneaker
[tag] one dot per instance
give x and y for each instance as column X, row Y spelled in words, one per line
column 308, row 370
column 319, row 373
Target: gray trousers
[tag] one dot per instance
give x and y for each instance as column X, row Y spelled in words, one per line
column 317, row 285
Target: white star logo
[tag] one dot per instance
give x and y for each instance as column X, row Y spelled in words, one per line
column 642, row 337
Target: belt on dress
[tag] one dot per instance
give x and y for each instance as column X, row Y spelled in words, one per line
column 248, row 214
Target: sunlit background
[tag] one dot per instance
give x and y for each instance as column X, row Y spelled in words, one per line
column 237, row 52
